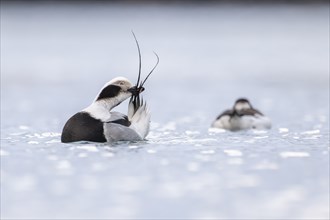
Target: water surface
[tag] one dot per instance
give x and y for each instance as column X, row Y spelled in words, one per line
column 55, row 58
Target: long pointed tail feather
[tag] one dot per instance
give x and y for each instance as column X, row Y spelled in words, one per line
column 139, row 116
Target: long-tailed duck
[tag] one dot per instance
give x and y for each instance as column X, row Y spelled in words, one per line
column 242, row 116
column 97, row 123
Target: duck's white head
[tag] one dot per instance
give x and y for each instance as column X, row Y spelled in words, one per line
column 241, row 104
column 112, row 94
column 116, row 91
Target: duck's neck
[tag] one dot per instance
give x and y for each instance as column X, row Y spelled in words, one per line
column 101, row 109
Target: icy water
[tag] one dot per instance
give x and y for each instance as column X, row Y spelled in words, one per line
column 55, row 58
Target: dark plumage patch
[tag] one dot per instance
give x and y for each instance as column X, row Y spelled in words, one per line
column 109, row 92
column 227, row 112
column 83, row 127
column 240, row 113
column 242, row 100
column 249, row 111
column 124, row 121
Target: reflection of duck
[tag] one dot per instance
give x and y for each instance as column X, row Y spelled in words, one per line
column 97, row 124
column 242, row 116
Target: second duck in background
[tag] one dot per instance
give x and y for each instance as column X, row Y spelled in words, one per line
column 241, row 117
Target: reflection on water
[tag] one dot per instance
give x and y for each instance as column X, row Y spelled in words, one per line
column 184, row 169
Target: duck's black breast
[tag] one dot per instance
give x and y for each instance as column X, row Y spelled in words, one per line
column 83, row 127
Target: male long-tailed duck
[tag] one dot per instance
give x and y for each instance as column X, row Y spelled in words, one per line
column 242, row 116
column 98, row 123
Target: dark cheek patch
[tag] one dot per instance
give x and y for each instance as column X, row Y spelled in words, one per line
column 109, row 92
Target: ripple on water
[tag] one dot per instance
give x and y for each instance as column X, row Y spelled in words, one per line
column 134, row 147
column 317, row 131
column 191, row 133
column 108, row 154
column 89, row 148
column 53, row 141
column 151, row 151
column 233, row 153
column 23, row 127
column 289, row 154
column 283, row 130
column 207, row 151
column 216, row 130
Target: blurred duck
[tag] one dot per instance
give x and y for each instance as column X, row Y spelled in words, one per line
column 241, row 117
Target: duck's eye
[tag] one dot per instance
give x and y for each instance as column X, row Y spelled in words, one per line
column 121, row 83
